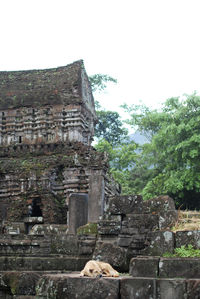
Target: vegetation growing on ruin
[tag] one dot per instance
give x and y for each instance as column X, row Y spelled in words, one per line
column 184, row 251
column 88, row 229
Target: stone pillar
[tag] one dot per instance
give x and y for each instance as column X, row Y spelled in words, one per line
column 96, row 197
column 78, row 211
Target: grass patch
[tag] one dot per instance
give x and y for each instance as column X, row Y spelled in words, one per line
column 187, row 220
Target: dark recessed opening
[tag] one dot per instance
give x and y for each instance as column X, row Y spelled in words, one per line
column 36, row 210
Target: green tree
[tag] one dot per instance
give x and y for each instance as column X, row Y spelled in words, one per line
column 99, row 81
column 121, row 158
column 173, row 153
column 110, row 127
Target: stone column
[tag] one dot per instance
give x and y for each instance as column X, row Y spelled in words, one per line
column 96, row 196
column 78, row 211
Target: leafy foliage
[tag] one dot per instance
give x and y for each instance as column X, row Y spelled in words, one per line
column 184, row 251
column 173, row 153
column 122, row 158
column 169, row 162
column 110, row 127
column 99, row 81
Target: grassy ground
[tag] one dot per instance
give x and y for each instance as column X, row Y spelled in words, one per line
column 187, row 220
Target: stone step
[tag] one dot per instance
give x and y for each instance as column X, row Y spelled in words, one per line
column 160, row 267
column 43, row 263
column 20, row 285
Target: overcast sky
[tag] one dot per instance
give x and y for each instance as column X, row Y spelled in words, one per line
column 151, row 46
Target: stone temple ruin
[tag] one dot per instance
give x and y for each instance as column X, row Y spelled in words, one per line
column 59, row 207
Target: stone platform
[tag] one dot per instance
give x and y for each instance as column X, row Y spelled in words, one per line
column 28, row 285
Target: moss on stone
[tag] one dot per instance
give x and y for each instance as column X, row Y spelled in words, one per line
column 88, row 229
column 12, row 280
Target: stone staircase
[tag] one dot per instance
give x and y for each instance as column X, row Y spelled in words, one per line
column 46, row 263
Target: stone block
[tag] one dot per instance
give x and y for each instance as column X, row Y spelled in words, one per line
column 64, row 244
column 144, row 266
column 167, row 219
column 164, row 207
column 124, row 241
column 96, row 196
column 159, row 204
column 64, row 286
column 112, row 254
column 129, row 231
column 158, row 243
column 151, row 221
column 138, row 242
column 134, row 242
column 21, row 283
column 86, row 245
column 179, row 267
column 188, row 237
column 193, row 288
column 48, row 229
column 135, row 221
column 109, row 227
column 171, row 288
column 41, row 263
column 5, row 293
column 137, row 288
column 78, row 211
column 125, row 204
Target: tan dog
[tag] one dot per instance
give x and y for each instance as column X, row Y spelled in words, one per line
column 95, row 268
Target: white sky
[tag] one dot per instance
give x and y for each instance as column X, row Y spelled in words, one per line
column 151, row 46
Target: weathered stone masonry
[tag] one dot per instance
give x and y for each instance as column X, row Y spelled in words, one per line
column 47, row 120
column 59, row 207
column 46, row 106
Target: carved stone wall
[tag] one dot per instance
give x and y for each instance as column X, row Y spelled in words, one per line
column 48, row 124
column 47, row 120
column 52, row 177
column 46, row 106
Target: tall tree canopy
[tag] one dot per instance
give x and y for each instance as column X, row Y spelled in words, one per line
column 172, row 156
column 110, row 127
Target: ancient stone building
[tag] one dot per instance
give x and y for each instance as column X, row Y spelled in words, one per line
column 47, row 120
column 50, row 176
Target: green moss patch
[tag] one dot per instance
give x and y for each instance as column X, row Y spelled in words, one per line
column 88, row 229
